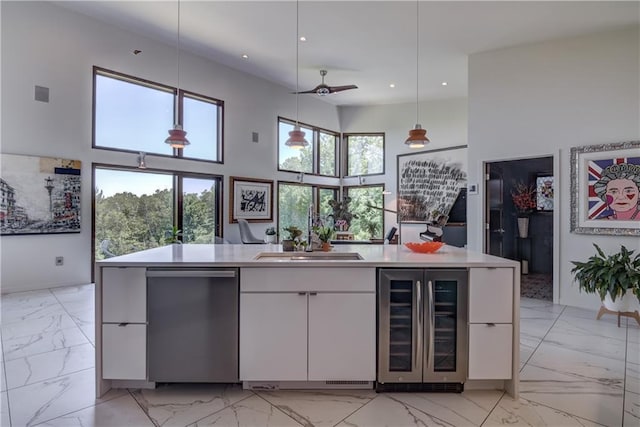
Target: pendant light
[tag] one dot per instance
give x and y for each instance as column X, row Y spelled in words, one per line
column 296, row 136
column 417, row 136
column 177, row 136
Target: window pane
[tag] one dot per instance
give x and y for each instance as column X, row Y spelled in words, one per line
column 365, row 154
column 200, row 120
column 325, row 195
column 369, row 222
column 132, row 116
column 198, row 210
column 133, row 211
column 328, row 154
column 298, row 160
column 293, row 207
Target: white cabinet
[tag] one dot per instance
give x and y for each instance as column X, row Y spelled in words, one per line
column 273, row 336
column 307, row 324
column 491, row 323
column 124, row 323
column 124, row 351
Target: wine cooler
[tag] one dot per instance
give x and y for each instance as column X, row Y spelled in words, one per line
column 422, row 329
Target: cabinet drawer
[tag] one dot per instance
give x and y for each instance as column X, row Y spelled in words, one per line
column 124, row 295
column 491, row 295
column 490, row 351
column 308, row 279
column 124, row 352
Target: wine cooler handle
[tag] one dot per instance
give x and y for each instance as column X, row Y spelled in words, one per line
column 418, row 331
column 432, row 315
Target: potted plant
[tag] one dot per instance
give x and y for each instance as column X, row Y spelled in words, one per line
column 293, row 239
column 615, row 278
column 173, row 236
column 324, row 234
column 270, row 232
column 524, row 200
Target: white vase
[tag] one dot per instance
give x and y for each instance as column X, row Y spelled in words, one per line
column 270, row 238
column 523, row 227
column 626, row 302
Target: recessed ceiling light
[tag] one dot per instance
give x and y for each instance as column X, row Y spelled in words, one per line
column 245, row 56
column 392, row 85
column 444, row 83
column 303, row 39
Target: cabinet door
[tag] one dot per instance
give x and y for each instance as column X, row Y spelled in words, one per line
column 491, row 295
column 124, row 352
column 273, row 336
column 124, row 295
column 342, row 336
column 490, row 351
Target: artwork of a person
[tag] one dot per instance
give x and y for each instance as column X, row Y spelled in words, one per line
column 619, row 188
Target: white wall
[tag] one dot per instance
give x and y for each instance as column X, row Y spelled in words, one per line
column 543, row 99
column 444, row 120
column 46, row 45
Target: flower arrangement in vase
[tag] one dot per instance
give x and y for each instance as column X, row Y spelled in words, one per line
column 524, row 199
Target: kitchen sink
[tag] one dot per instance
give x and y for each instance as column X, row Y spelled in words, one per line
column 308, row 256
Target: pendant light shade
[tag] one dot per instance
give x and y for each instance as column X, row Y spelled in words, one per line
column 296, row 136
column 417, row 136
column 177, row 136
column 296, row 139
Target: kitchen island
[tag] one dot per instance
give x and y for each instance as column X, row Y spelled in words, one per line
column 305, row 320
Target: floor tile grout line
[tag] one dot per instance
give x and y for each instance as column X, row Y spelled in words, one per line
column 504, row 393
column 542, row 339
column 45, row 352
column 73, row 318
column 140, row 406
column 356, row 410
column 276, row 406
column 223, row 408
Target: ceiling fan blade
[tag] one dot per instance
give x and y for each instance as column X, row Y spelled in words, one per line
column 334, row 89
column 306, row 91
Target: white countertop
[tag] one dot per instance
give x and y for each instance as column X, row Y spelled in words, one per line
column 243, row 256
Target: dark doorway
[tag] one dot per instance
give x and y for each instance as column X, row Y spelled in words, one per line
column 534, row 247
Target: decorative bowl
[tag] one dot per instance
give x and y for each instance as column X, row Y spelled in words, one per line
column 424, row 247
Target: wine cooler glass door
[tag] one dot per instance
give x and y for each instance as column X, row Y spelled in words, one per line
column 400, row 299
column 445, row 321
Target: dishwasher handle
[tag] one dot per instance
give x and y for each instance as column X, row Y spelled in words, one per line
column 191, row 273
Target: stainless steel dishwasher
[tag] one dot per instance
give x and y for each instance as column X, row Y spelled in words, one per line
column 193, row 324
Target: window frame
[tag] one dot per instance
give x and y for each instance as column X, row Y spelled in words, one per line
column 346, row 189
column 178, row 198
column 314, row 140
column 178, row 113
column 315, row 195
column 345, row 152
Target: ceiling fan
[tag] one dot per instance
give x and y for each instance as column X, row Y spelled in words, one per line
column 323, row 89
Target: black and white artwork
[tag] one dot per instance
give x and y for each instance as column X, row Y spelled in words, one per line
column 39, row 195
column 429, row 183
column 251, row 199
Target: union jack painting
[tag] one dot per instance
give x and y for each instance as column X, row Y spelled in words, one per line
column 599, row 208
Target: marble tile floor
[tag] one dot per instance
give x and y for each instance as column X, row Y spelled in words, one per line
column 575, row 371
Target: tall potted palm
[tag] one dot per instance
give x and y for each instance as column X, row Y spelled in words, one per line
column 615, row 278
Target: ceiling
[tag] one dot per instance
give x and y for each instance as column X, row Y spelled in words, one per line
column 368, row 43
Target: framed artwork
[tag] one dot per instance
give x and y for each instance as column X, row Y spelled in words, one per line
column 605, row 185
column 40, row 195
column 429, row 183
column 544, row 193
column 251, row 199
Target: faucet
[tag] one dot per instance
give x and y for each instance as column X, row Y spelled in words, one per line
column 309, row 229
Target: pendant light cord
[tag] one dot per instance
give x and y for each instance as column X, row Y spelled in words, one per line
column 178, row 53
column 417, row 58
column 297, row 65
